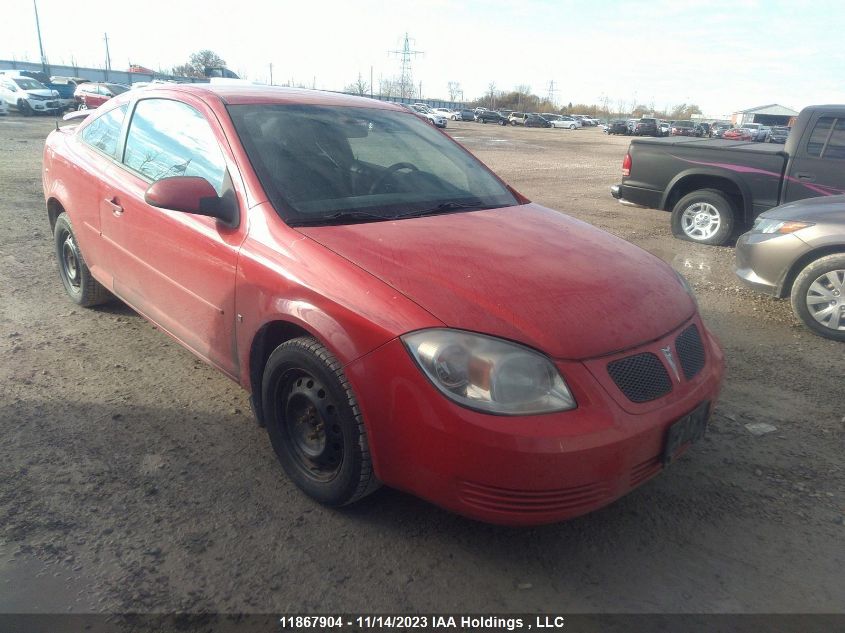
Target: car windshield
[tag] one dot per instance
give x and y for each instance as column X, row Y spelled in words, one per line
column 682, row 124
column 29, row 84
column 650, row 121
column 324, row 164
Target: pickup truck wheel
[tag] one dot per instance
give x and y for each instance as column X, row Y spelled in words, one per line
column 79, row 284
column 818, row 296
column 703, row 216
column 315, row 425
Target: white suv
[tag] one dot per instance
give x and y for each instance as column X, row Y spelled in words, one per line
column 27, row 95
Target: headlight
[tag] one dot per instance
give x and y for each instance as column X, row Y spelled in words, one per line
column 489, row 374
column 767, row 225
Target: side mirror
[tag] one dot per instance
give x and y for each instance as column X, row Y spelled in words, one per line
column 192, row 194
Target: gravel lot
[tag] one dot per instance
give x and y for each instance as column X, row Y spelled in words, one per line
column 132, row 477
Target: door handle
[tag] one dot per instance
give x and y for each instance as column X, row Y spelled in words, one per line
column 116, row 209
column 807, row 177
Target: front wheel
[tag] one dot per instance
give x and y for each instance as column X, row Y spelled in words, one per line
column 705, row 216
column 24, row 107
column 818, row 296
column 315, row 425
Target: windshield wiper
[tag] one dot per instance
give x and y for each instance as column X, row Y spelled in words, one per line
column 341, row 217
column 444, row 207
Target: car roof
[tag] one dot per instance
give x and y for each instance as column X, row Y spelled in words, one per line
column 248, row 94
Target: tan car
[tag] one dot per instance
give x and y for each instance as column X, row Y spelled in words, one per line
column 797, row 250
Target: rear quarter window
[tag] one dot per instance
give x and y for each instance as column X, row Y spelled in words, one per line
column 103, row 133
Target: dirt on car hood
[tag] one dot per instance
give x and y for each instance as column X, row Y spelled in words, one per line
column 525, row 273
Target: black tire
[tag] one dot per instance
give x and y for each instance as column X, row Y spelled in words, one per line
column 315, row 425
column 79, row 284
column 24, row 108
column 805, row 287
column 690, row 217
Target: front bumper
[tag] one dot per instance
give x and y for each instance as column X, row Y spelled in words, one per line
column 764, row 259
column 521, row 470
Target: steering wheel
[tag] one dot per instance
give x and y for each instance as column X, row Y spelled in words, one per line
column 388, row 173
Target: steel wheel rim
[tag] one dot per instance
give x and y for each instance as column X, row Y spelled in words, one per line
column 312, row 427
column 701, row 221
column 825, row 300
column 70, row 262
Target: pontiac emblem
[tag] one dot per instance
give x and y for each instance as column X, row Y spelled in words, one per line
column 667, row 354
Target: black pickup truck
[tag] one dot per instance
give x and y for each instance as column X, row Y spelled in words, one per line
column 714, row 186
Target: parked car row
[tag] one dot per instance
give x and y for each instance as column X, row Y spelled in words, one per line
column 32, row 92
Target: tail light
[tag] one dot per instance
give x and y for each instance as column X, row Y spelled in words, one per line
column 626, row 165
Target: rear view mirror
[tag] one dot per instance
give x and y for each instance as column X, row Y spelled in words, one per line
column 192, row 194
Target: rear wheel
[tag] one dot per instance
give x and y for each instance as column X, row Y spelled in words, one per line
column 572, row 127
column 818, row 296
column 705, row 216
column 314, row 423
column 79, row 284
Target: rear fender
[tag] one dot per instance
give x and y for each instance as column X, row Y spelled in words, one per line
column 714, row 174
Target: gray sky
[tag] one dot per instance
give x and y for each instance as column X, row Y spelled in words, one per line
column 722, row 55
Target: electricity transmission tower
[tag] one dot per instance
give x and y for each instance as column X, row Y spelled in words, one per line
column 406, row 80
column 550, row 97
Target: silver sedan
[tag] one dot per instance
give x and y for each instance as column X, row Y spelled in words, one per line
column 797, row 250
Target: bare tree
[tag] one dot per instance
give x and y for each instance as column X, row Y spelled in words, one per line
column 360, row 87
column 454, row 88
column 197, row 64
column 387, row 87
column 491, row 92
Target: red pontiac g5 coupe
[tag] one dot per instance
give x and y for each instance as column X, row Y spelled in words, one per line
column 398, row 313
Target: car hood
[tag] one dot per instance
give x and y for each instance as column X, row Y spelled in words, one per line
column 524, row 273
column 39, row 92
column 821, row 209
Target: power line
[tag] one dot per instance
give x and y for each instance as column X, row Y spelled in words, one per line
column 406, row 81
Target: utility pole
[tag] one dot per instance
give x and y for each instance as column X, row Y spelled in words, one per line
column 108, row 56
column 371, row 82
column 40, row 45
column 421, row 91
column 271, row 73
column 406, row 81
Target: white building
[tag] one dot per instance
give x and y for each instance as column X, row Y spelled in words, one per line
column 772, row 114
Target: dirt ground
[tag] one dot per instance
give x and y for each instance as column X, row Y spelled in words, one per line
column 132, row 477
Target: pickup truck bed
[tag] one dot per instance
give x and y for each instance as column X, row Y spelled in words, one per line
column 761, row 166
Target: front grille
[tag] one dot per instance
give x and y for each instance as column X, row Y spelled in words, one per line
column 641, row 377
column 690, row 351
column 538, row 501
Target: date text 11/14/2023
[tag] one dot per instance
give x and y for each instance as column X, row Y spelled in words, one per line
column 423, row 622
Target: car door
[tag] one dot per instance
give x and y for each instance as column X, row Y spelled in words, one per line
column 95, row 153
column 818, row 166
column 177, row 268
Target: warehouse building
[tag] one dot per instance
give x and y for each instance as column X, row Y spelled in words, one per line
column 772, row 114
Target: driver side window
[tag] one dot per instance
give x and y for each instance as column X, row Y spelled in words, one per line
column 169, row 138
